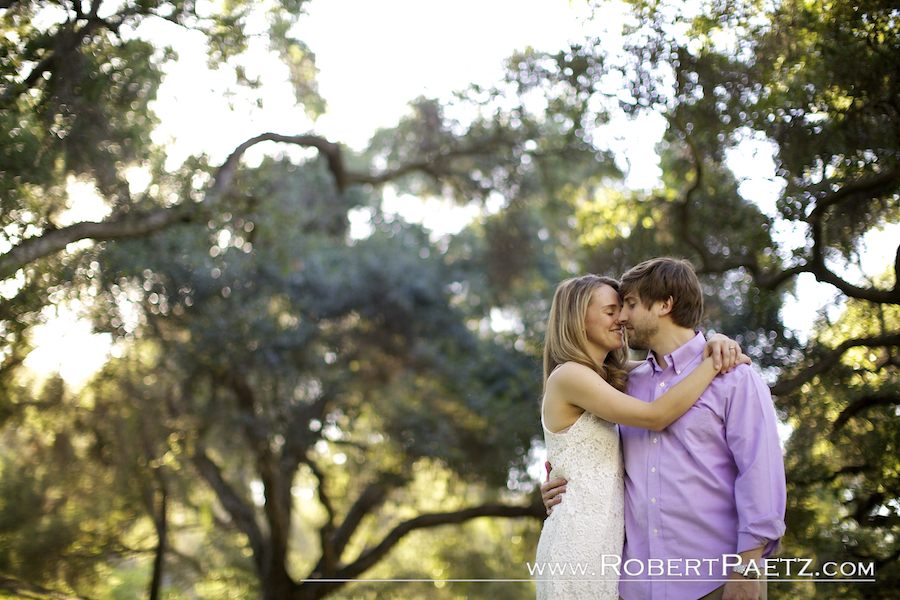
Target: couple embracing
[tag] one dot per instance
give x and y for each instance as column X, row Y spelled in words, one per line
column 667, row 475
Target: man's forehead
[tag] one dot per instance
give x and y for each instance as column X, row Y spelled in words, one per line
column 632, row 296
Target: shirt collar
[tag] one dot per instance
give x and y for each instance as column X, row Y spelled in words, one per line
column 682, row 356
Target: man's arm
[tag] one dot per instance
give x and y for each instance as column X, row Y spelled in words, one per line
column 759, row 489
column 760, row 493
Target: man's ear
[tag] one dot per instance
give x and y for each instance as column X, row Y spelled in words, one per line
column 666, row 306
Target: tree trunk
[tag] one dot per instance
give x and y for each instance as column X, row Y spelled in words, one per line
column 161, row 525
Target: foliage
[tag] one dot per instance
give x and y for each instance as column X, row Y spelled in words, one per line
column 260, row 306
column 76, row 90
column 817, row 82
column 841, row 462
column 362, row 383
column 247, row 339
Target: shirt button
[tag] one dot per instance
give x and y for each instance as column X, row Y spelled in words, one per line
column 654, row 440
column 678, row 371
column 663, row 384
column 654, row 532
column 653, row 500
column 653, row 470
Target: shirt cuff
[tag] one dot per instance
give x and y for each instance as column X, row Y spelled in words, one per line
column 748, row 541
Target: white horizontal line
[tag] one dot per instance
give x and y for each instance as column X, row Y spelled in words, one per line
column 770, row 580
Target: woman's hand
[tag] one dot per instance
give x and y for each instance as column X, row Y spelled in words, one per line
column 726, row 353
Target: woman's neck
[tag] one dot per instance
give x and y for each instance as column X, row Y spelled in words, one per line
column 597, row 355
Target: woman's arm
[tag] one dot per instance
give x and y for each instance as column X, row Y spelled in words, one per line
column 581, row 386
column 719, row 347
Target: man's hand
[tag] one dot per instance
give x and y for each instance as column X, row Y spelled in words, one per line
column 739, row 588
column 551, row 491
column 726, row 353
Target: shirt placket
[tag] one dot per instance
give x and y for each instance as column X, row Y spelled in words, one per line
column 661, row 384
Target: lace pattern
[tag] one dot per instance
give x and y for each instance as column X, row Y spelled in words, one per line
column 588, row 527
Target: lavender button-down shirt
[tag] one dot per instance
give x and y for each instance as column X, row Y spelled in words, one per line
column 710, row 484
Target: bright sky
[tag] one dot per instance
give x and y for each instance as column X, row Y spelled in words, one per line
column 374, row 57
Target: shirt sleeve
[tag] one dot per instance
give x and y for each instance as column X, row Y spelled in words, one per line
column 759, row 489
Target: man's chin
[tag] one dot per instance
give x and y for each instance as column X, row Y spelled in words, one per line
column 637, row 344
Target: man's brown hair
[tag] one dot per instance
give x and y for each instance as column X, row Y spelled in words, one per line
column 657, row 279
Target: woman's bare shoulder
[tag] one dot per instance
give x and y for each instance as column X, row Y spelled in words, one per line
column 568, row 368
column 570, row 373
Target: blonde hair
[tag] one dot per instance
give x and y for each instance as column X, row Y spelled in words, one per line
column 565, row 339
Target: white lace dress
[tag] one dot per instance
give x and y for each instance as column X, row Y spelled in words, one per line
column 586, row 530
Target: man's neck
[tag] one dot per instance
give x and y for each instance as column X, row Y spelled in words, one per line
column 669, row 339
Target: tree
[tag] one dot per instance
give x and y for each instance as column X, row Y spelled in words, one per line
column 75, row 99
column 76, row 84
column 256, row 343
column 815, row 82
column 266, row 351
column 841, row 461
column 818, row 83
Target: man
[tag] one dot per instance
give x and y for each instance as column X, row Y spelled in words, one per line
column 712, row 483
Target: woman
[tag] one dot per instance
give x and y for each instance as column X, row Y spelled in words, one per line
column 585, row 371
